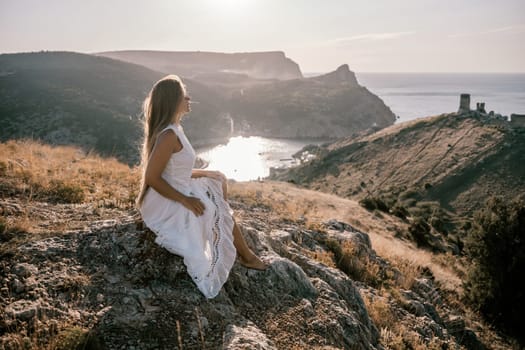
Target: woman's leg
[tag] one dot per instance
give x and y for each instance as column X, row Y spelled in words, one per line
column 246, row 256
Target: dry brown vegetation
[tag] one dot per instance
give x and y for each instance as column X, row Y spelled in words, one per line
column 34, row 174
column 285, row 201
column 34, row 171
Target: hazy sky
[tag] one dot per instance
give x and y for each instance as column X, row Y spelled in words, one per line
column 368, row 35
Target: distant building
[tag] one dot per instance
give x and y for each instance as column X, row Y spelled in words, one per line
column 480, row 107
column 464, row 103
column 517, row 120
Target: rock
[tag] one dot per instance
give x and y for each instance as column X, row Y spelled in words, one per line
column 280, row 236
column 471, row 341
column 455, row 324
column 415, row 307
column 24, row 270
column 22, row 310
column 246, row 336
column 131, row 293
column 17, row 286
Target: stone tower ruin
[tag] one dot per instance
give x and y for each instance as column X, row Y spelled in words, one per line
column 464, row 103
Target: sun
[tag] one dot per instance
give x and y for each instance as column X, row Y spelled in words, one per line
column 231, row 7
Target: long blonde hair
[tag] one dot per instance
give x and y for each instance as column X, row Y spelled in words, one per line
column 160, row 108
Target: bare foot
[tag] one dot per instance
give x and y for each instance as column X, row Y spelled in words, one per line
column 254, row 262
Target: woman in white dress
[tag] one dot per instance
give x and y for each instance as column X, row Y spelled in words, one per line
column 186, row 207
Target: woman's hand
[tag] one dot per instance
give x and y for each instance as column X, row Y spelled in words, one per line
column 194, row 204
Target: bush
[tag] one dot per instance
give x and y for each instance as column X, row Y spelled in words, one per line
column 496, row 245
column 372, row 203
column 419, row 230
column 400, row 211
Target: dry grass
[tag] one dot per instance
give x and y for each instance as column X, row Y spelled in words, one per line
column 64, row 174
column 323, row 257
column 289, row 201
column 32, row 171
column 60, row 336
column 393, row 334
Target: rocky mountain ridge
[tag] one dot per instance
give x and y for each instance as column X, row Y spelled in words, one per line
column 200, row 64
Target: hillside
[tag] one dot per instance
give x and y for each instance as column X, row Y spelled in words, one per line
column 78, row 272
column 329, row 106
column 456, row 160
column 94, row 102
column 267, row 95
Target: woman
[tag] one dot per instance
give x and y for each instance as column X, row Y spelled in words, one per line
column 186, row 207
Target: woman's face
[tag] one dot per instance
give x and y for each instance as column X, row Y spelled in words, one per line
column 186, row 106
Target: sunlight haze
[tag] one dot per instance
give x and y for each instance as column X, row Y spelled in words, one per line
column 370, row 36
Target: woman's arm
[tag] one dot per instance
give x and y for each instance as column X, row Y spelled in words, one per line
column 166, row 144
column 214, row 174
column 198, row 173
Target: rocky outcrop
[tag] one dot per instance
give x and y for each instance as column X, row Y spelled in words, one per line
column 258, row 65
column 135, row 294
column 109, row 286
column 342, row 75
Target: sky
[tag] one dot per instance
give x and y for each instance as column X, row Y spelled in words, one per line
column 368, row 35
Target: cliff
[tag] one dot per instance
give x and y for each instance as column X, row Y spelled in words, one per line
column 78, row 272
column 198, row 64
column 333, row 105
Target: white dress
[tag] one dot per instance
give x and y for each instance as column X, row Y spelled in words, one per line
column 205, row 242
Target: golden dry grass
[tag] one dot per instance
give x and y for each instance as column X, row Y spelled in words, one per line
column 395, row 335
column 36, row 171
column 33, row 171
column 290, row 201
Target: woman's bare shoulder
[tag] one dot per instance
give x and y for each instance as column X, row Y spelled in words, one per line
column 168, row 139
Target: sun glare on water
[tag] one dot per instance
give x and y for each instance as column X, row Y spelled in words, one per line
column 241, row 159
column 250, row 158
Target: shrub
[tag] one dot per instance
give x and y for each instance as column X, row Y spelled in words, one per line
column 419, row 230
column 372, row 203
column 400, row 211
column 496, row 245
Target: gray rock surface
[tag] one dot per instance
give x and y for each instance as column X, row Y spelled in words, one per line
column 125, row 292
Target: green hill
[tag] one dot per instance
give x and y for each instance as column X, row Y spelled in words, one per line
column 94, row 102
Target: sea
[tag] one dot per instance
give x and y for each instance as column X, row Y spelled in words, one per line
column 409, row 96
column 419, row 95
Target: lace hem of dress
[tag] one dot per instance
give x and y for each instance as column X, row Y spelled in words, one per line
column 221, row 262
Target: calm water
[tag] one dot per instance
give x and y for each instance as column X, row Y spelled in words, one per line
column 409, row 95
column 415, row 95
column 250, row 158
